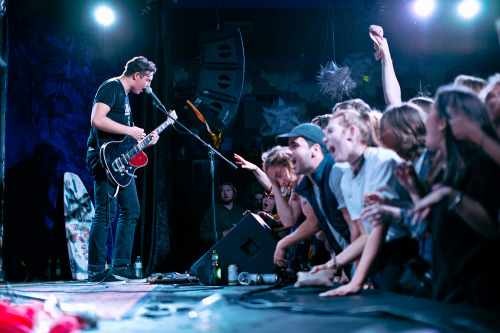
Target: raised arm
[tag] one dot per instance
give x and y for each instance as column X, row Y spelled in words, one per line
column 390, row 84
column 258, row 172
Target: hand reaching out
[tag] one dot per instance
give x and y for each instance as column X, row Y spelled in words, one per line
column 244, row 163
column 407, row 177
column 463, row 127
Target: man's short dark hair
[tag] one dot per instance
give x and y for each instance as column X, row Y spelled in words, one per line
column 231, row 186
column 139, row 64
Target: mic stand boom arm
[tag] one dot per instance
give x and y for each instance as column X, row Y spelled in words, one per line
column 211, row 152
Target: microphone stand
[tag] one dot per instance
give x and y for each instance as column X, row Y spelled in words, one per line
column 211, row 152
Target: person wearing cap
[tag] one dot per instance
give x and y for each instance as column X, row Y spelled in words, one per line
column 320, row 185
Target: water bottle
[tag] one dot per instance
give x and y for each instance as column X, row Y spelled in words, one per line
column 138, row 267
column 58, row 270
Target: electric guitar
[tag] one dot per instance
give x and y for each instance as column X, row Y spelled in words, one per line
column 122, row 158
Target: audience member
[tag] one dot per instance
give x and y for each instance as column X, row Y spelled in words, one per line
column 227, row 214
column 465, row 128
column 463, row 209
column 320, row 184
column 351, row 138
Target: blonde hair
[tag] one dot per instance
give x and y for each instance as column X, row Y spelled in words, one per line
column 276, row 156
column 353, row 104
column 365, row 122
column 472, row 82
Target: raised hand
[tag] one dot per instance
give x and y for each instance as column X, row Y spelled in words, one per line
column 377, row 35
column 407, row 177
column 244, row 163
column 463, row 127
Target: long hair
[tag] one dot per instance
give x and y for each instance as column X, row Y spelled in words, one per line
column 365, row 122
column 458, row 151
column 408, row 123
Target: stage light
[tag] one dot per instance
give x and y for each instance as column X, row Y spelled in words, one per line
column 469, row 8
column 104, row 15
column 424, row 8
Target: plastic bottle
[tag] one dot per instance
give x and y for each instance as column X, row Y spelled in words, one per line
column 58, row 270
column 138, row 267
column 216, row 271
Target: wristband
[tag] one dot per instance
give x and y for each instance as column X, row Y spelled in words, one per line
column 453, row 204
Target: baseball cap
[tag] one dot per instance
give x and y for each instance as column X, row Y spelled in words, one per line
column 309, row 131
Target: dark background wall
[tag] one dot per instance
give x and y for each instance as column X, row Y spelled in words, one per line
column 58, row 57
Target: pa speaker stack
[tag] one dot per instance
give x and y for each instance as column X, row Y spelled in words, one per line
column 249, row 245
column 221, row 77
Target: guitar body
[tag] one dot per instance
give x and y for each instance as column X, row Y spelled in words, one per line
column 120, row 166
column 122, row 158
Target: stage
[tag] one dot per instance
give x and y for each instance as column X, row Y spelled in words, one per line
column 149, row 307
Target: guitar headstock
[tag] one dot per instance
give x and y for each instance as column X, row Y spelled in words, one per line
column 172, row 114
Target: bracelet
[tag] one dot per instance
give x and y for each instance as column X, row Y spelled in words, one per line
column 453, row 204
column 334, row 265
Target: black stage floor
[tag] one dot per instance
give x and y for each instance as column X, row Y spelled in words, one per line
column 198, row 308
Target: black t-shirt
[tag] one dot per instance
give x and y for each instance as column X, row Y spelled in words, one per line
column 465, row 264
column 112, row 94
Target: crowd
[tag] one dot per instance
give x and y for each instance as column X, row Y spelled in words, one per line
column 415, row 188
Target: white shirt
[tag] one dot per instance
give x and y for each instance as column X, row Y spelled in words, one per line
column 376, row 174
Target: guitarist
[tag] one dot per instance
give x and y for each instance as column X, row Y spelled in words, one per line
column 111, row 119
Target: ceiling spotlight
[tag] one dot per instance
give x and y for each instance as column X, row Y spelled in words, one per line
column 469, row 8
column 424, row 8
column 104, row 15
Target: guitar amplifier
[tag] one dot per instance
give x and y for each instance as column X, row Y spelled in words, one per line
column 249, row 245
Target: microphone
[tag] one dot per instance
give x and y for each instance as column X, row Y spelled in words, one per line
column 156, row 100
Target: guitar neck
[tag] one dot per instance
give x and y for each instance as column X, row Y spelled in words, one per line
column 140, row 146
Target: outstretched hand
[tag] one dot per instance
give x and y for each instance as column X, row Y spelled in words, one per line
column 244, row 163
column 407, row 177
column 463, row 127
column 421, row 209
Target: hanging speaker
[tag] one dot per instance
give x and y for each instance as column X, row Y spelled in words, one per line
column 222, row 47
column 221, row 83
column 221, row 76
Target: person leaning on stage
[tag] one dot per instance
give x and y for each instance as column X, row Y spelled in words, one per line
column 320, row 185
column 227, row 214
column 111, row 120
column 351, row 137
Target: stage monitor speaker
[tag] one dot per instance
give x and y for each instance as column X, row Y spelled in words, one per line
column 249, row 245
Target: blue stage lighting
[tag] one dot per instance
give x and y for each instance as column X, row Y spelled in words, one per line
column 104, row 15
column 468, row 9
column 424, row 8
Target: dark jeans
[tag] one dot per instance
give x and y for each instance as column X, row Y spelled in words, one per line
column 127, row 220
column 391, row 262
